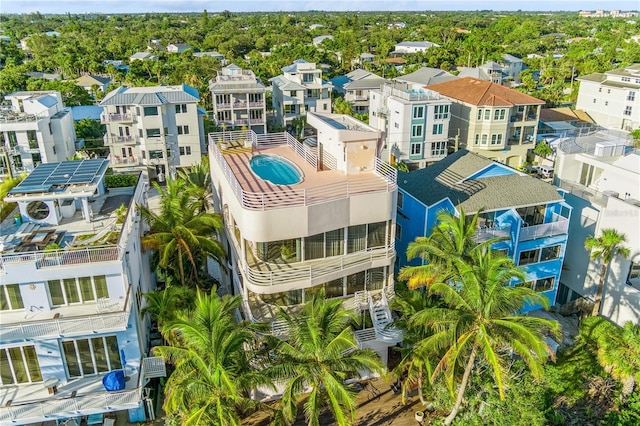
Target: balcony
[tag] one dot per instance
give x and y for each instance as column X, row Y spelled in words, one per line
column 557, row 226
column 127, row 117
column 484, row 234
column 32, row 403
column 124, row 161
column 111, row 139
column 67, row 257
column 106, row 315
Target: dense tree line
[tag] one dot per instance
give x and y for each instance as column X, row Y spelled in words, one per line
column 465, row 39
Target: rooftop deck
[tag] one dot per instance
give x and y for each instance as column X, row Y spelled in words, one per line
column 317, row 186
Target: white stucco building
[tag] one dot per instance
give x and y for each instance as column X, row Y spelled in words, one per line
column 71, row 282
column 414, row 122
column 35, row 128
column 318, row 231
column 601, row 174
column 612, row 98
column 157, row 128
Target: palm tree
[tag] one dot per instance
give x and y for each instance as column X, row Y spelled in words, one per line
column 605, row 248
column 542, row 150
column 213, row 376
column 319, row 353
column 164, row 305
column 453, row 238
column 619, row 354
column 198, row 180
column 179, row 230
column 480, row 320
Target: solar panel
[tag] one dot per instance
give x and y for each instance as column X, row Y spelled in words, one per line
column 64, row 173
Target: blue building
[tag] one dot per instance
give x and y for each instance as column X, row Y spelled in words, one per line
column 529, row 212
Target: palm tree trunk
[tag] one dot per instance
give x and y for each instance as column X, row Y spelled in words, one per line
column 628, row 385
column 463, row 386
column 180, row 267
column 422, row 400
column 596, row 305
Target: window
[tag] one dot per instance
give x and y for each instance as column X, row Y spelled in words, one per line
column 13, row 139
column 487, row 114
column 631, row 96
column 154, row 155
column 19, row 365
column 307, row 78
column 396, row 125
column 479, row 114
column 496, row 139
column 499, row 114
column 626, row 79
column 532, row 215
column 594, row 100
column 398, row 231
column 416, row 148
column 544, row 284
column 599, row 89
column 289, row 109
column 418, row 112
column 438, row 149
column 87, row 357
column 484, row 139
column 627, row 110
column 441, row 112
column 181, row 108
column 437, row 129
column 416, row 131
column 32, row 137
column 293, row 93
column 634, row 274
column 529, row 256
column 153, row 133
column 324, row 107
column 183, row 130
column 150, row 110
column 549, row 253
column 10, row 297
column 185, row 150
column 77, row 290
column 477, row 140
column 400, row 199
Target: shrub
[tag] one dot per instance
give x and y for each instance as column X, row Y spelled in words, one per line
column 120, row 180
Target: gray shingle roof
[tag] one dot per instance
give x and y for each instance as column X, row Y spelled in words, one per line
column 427, row 76
column 446, row 178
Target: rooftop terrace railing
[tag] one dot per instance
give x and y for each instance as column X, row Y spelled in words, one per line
column 294, row 197
column 558, row 226
column 66, row 257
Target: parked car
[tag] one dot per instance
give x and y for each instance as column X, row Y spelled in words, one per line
column 545, row 172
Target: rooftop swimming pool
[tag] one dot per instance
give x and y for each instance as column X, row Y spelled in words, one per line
column 275, row 169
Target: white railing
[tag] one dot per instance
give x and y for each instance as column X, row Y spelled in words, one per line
column 317, row 269
column 97, row 322
column 67, row 257
column 112, row 118
column 484, row 234
column 558, row 226
column 153, row 367
column 295, row 197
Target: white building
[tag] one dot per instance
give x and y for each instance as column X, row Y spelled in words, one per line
column 36, row 128
column 356, row 86
column 299, row 90
column 612, row 98
column 408, row 47
column 71, row 282
column 238, row 99
column 414, row 122
column 158, row 128
column 316, row 230
column 601, row 175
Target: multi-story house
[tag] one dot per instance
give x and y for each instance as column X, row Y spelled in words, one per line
column 157, row 128
column 496, row 121
column 612, row 98
column 299, row 90
column 426, row 76
column 238, row 99
column 355, row 86
column 178, row 47
column 414, row 122
column 71, row 281
column 600, row 173
column 36, row 128
column 409, row 47
column 309, row 227
column 529, row 214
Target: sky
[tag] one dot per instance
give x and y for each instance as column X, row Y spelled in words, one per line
column 142, row 6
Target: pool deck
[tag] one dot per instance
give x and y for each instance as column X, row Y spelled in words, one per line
column 312, row 178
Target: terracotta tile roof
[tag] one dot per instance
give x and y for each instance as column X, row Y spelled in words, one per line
column 563, row 114
column 483, row 93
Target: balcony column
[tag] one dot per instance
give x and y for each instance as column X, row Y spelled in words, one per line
column 86, row 214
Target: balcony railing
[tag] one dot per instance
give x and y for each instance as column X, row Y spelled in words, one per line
column 126, row 161
column 117, row 118
column 296, row 197
column 318, row 268
column 73, row 406
column 67, row 257
column 97, row 322
column 111, row 139
column 558, row 226
column 484, row 234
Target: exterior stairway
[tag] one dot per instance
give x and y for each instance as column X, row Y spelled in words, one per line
column 382, row 319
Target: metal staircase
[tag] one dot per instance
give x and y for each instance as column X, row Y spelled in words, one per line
column 382, row 319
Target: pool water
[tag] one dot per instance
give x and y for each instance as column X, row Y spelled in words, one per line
column 275, row 169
